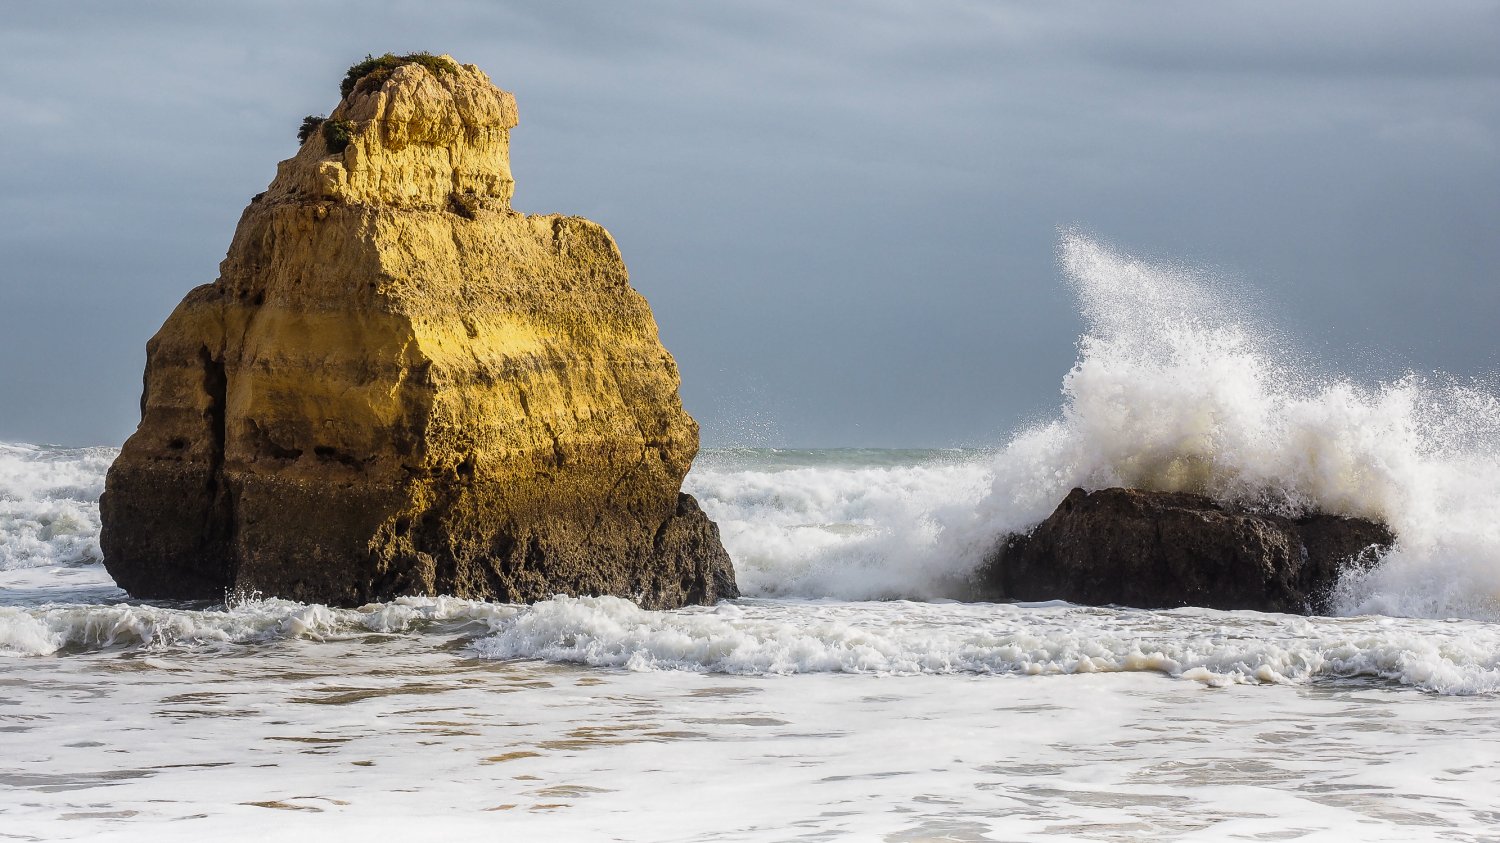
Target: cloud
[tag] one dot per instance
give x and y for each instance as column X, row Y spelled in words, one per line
column 851, row 206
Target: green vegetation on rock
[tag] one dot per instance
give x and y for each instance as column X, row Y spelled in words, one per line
column 310, row 124
column 374, row 70
column 337, row 134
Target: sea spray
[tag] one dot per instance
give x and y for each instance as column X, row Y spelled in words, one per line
column 1176, row 388
column 1174, row 391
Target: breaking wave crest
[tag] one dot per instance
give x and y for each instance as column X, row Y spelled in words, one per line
column 84, row 628
column 903, row 638
column 49, row 504
column 780, row 637
column 832, row 524
column 1176, row 388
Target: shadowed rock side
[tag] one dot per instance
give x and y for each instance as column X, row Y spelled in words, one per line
column 1168, row 549
column 398, row 385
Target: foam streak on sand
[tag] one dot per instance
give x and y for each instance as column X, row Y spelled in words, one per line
column 387, row 741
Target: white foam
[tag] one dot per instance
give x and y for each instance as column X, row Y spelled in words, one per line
column 900, row 638
column 837, row 530
column 81, row 627
column 775, row 637
column 49, row 504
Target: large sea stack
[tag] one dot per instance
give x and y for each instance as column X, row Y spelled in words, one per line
column 1156, row 550
column 398, row 385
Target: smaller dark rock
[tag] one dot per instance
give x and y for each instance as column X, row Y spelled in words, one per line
column 689, row 543
column 1155, row 550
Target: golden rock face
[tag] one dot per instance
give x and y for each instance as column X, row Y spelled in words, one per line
column 398, row 385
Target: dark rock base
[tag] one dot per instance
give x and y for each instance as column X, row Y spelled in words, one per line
column 1167, row 549
column 179, row 533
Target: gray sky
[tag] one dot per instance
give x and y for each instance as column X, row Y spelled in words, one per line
column 844, row 215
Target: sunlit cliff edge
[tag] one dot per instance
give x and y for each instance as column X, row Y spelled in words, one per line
column 399, row 385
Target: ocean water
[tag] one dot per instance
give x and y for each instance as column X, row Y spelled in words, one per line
column 846, row 696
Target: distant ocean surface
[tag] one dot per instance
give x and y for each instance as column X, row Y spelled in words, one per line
column 845, row 696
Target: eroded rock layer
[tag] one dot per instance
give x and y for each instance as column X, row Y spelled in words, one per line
column 398, row 385
column 1156, row 550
